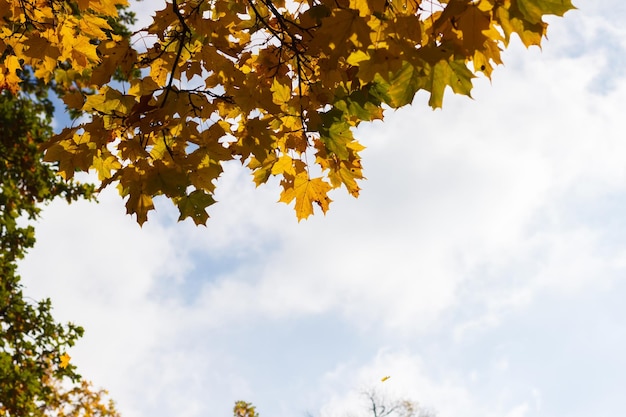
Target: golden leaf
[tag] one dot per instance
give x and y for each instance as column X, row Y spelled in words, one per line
column 306, row 191
column 65, row 360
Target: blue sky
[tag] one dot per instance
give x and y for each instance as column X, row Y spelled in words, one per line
column 482, row 268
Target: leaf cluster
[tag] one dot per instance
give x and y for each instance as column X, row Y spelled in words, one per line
column 278, row 86
column 244, row 409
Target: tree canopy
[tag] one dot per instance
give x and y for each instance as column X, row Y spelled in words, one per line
column 277, row 85
column 37, row 377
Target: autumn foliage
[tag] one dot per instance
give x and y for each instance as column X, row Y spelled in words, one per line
column 277, row 85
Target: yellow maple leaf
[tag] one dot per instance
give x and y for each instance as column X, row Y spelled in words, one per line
column 383, row 379
column 282, row 92
column 306, row 191
column 284, row 164
column 65, row 360
column 105, row 165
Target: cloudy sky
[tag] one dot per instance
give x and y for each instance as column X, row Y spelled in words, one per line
column 483, row 268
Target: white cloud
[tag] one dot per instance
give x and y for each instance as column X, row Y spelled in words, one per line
column 461, row 196
column 408, row 380
column 519, row 411
column 445, row 395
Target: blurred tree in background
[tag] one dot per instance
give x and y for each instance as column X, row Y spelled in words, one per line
column 36, row 375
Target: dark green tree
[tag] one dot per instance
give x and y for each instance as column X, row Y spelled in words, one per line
column 32, row 343
column 36, row 378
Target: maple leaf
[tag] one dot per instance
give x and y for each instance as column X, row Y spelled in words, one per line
column 284, row 165
column 453, row 74
column 346, row 173
column 64, row 360
column 139, row 204
column 534, row 10
column 306, row 191
column 282, row 92
column 512, row 21
column 474, row 25
column 194, row 205
column 337, row 137
column 400, row 88
column 105, row 164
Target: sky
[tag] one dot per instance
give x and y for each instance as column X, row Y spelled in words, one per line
column 483, row 267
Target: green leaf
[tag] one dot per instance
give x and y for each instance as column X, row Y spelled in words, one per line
column 533, row 10
column 361, row 106
column 513, row 21
column 401, row 87
column 449, row 73
column 461, row 78
column 194, row 205
column 337, row 137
